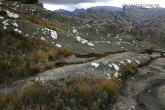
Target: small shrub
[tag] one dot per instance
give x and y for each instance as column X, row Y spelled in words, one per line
column 109, row 87
column 68, row 92
column 66, row 51
column 129, row 69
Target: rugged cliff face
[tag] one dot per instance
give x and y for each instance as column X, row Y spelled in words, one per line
column 104, row 44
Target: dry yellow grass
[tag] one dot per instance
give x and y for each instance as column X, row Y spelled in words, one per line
column 79, row 93
column 23, row 56
column 95, row 106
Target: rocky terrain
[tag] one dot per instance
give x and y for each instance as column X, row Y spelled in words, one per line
column 102, row 47
column 140, row 17
column 76, row 12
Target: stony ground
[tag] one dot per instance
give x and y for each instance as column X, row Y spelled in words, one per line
column 145, row 90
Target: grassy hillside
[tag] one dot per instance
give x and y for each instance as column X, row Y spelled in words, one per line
column 21, row 56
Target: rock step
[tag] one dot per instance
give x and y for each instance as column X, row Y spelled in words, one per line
column 80, row 59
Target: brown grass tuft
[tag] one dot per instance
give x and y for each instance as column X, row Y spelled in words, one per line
column 95, row 106
column 129, row 69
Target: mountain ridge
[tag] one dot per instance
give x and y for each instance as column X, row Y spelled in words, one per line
column 150, row 17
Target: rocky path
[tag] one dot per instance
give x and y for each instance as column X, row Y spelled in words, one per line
column 145, row 90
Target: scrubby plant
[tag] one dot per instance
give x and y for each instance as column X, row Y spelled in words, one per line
column 129, row 69
column 22, row 56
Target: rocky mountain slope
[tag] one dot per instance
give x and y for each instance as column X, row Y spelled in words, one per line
column 91, row 36
column 76, row 12
column 103, row 43
column 140, row 17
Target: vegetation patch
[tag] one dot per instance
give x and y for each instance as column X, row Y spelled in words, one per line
column 22, row 56
column 129, row 69
column 76, row 93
